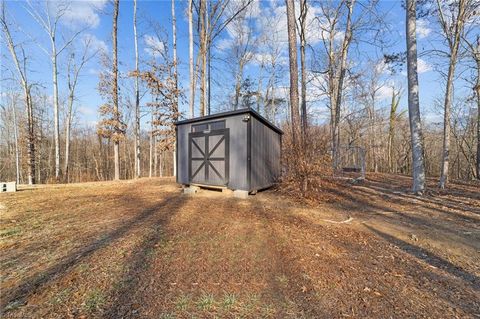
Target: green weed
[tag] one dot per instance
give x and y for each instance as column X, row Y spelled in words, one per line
column 62, row 296
column 228, row 301
column 94, row 300
column 10, row 232
column 206, row 302
column 182, row 303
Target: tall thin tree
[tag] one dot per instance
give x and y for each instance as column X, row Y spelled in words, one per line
column 190, row 59
column 391, row 127
column 452, row 25
column 473, row 47
column 21, row 67
column 15, row 137
column 175, row 78
column 49, row 18
column 138, row 172
column 418, row 169
column 303, row 42
column 73, row 73
column 116, row 142
column 337, row 61
column 338, row 81
column 292, row 52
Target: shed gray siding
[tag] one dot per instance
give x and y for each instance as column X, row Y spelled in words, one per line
column 237, row 156
column 238, row 152
column 265, row 155
column 182, row 153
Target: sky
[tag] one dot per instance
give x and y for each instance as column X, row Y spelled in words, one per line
column 96, row 20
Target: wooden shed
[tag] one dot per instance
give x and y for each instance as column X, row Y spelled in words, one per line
column 239, row 150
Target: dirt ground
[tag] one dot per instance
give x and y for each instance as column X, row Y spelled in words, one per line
column 141, row 249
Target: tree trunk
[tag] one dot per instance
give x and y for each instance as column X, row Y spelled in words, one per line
column 238, row 85
column 203, row 53
column 292, row 52
column 150, row 158
column 374, row 138
column 190, row 59
column 477, row 90
column 260, row 89
column 116, row 143
column 56, row 125
column 452, row 33
column 15, row 136
column 391, row 130
column 68, row 126
column 160, row 164
column 28, row 99
column 446, row 122
column 418, row 169
column 338, row 83
column 206, row 61
column 155, row 156
column 174, row 35
column 303, row 42
column 138, row 171
column 30, row 137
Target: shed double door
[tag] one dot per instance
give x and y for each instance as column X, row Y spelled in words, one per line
column 208, row 157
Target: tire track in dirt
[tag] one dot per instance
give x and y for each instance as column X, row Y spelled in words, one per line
column 296, row 296
column 34, row 283
column 140, row 261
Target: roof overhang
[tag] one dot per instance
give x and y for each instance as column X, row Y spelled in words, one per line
column 232, row 113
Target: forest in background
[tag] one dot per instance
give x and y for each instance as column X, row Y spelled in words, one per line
column 315, row 63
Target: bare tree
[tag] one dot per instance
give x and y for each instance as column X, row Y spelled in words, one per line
column 391, row 128
column 116, row 143
column 271, row 56
column 292, row 52
column 452, row 18
column 73, row 72
column 473, row 47
column 241, row 51
column 203, row 16
column 302, row 29
column 336, row 61
column 50, row 24
column 15, row 139
column 370, row 84
column 175, row 78
column 418, row 169
column 190, row 59
column 21, row 68
column 138, row 171
column 151, row 143
column 212, row 20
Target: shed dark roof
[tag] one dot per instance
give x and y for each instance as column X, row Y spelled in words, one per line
column 231, row 113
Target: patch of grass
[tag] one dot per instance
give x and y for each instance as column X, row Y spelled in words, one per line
column 94, row 300
column 268, row 311
column 61, row 296
column 167, row 316
column 250, row 306
column 10, row 231
column 206, row 302
column 228, row 301
column 182, row 302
